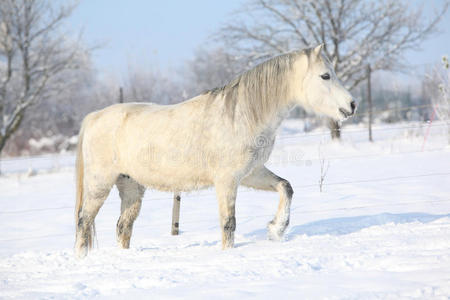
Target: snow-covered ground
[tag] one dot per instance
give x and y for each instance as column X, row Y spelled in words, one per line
column 379, row 230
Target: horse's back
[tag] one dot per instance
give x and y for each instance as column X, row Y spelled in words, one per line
column 114, row 117
column 111, row 128
column 158, row 145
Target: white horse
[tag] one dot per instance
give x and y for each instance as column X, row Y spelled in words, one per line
column 221, row 138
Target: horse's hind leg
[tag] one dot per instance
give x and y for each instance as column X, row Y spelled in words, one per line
column 131, row 194
column 264, row 179
column 95, row 193
column 226, row 196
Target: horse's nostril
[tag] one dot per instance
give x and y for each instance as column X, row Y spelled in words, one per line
column 353, row 106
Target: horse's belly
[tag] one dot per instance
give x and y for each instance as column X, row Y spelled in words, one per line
column 174, row 183
column 172, row 178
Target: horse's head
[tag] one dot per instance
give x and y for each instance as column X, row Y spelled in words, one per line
column 321, row 91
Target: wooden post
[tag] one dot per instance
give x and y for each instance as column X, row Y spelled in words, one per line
column 369, row 101
column 120, row 95
column 176, row 214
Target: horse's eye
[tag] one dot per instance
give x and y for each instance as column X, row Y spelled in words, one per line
column 325, row 76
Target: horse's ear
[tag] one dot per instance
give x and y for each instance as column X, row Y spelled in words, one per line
column 318, row 49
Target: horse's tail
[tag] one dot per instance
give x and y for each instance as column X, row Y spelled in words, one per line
column 79, row 170
column 79, row 173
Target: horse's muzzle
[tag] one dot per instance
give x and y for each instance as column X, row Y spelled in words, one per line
column 353, row 106
column 346, row 113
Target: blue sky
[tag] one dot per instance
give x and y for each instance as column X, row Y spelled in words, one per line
column 163, row 34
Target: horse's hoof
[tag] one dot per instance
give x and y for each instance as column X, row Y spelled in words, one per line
column 275, row 231
column 229, row 244
column 81, row 252
column 227, row 247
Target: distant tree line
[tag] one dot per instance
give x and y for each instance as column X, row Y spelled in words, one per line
column 48, row 84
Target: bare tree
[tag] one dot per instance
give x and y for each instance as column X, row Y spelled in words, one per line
column 33, row 53
column 58, row 117
column 437, row 88
column 144, row 84
column 209, row 69
column 441, row 99
column 355, row 32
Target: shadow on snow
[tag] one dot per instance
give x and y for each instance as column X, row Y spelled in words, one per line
column 342, row 226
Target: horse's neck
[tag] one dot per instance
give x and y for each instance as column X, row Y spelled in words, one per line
column 281, row 114
column 270, row 127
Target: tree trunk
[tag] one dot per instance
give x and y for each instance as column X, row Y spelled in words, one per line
column 335, row 129
column 369, row 101
column 2, row 145
column 10, row 130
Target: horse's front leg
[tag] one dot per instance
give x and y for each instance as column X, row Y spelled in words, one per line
column 263, row 179
column 131, row 194
column 226, row 195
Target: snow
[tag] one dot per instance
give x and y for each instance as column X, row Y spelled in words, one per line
column 379, row 230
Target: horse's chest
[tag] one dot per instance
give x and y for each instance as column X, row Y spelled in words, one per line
column 261, row 150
